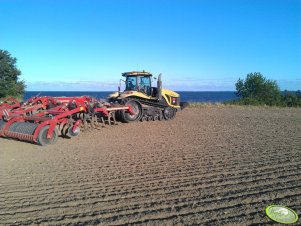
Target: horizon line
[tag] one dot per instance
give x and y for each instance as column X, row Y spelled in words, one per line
column 117, row 91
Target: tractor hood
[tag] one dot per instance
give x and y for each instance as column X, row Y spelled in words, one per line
column 113, row 95
column 170, row 93
column 126, row 94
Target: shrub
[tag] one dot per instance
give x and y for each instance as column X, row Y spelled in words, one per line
column 9, row 76
column 257, row 90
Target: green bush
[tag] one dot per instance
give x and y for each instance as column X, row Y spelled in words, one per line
column 257, row 90
column 291, row 99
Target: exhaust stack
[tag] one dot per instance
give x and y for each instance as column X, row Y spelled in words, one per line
column 159, row 87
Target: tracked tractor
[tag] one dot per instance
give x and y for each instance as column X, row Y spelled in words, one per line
column 147, row 103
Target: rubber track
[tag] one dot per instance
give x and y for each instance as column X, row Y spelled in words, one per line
column 146, row 102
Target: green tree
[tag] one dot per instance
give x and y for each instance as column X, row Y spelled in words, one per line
column 291, row 99
column 257, row 90
column 10, row 85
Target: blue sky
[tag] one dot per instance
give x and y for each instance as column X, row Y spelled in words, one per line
column 202, row 45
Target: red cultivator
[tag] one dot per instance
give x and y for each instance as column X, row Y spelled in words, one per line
column 43, row 119
column 8, row 105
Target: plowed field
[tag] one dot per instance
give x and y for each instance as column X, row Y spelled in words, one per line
column 209, row 166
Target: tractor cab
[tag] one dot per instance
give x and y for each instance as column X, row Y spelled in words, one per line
column 138, row 81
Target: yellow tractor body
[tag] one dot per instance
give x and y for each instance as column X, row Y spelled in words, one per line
column 167, row 94
column 148, row 103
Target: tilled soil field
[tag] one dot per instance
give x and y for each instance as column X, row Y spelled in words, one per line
column 209, row 166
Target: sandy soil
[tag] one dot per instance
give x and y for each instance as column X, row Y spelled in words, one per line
column 209, row 166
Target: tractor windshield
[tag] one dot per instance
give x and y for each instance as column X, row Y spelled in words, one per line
column 144, row 85
column 138, row 83
column 131, row 83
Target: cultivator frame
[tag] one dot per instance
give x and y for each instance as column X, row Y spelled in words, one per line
column 43, row 119
column 9, row 104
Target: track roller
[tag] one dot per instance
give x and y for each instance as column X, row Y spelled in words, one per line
column 169, row 113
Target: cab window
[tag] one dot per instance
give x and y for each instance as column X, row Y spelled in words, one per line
column 131, row 83
column 144, row 84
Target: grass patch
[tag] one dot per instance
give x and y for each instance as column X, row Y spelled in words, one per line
column 227, row 105
column 205, row 104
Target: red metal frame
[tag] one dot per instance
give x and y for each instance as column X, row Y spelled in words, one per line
column 15, row 103
column 63, row 108
column 6, row 115
column 6, row 107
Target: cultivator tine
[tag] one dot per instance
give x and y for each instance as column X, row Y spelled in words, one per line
column 102, row 121
column 111, row 118
column 86, row 125
column 93, row 123
column 97, row 122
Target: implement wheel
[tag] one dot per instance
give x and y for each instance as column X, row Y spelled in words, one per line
column 169, row 113
column 137, row 110
column 73, row 134
column 42, row 137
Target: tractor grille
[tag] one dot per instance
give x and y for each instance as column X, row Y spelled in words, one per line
column 173, row 100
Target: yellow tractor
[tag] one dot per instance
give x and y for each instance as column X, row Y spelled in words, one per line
column 147, row 102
